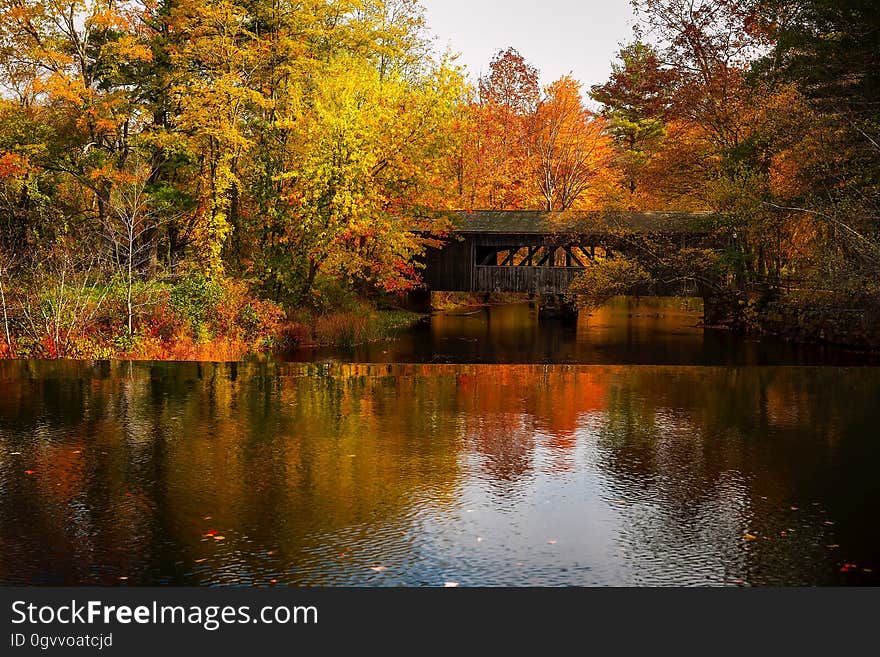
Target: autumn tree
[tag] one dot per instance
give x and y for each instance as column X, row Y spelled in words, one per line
column 216, row 54
column 350, row 148
column 569, row 146
column 823, row 57
column 364, row 162
column 511, row 85
column 636, row 102
column 507, row 98
column 399, row 43
column 129, row 230
column 708, row 45
column 772, row 125
column 73, row 60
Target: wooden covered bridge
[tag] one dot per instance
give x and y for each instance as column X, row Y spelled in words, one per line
column 540, row 253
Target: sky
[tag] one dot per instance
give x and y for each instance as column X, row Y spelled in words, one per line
column 579, row 37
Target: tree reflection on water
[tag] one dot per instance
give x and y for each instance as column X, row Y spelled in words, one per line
column 503, row 474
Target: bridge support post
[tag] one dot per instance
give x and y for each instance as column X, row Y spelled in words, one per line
column 556, row 306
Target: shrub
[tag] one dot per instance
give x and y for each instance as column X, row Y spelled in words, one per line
column 607, row 279
column 260, row 321
column 194, row 299
column 147, row 298
column 330, row 295
column 364, row 325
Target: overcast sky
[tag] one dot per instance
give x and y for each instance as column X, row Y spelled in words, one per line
column 558, row 36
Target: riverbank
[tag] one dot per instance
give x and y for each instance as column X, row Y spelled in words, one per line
column 818, row 317
column 193, row 318
column 342, row 330
column 443, row 301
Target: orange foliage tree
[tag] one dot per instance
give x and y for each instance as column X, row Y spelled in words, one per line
column 569, row 147
column 492, row 167
column 525, row 148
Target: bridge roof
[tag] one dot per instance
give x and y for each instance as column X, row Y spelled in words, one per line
column 515, row 222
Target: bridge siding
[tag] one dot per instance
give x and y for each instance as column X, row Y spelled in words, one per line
column 532, row 280
column 450, row 269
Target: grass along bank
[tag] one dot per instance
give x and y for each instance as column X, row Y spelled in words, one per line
column 191, row 318
column 348, row 328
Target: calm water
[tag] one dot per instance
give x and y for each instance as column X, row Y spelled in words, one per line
column 421, row 474
column 627, row 331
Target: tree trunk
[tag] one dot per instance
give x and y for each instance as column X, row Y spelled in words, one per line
column 5, row 316
column 310, row 280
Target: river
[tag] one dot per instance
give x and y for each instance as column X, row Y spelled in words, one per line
column 482, row 448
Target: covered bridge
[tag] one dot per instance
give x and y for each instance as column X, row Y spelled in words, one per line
column 542, row 252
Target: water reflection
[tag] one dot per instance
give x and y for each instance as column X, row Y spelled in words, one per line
column 647, row 331
column 420, row 474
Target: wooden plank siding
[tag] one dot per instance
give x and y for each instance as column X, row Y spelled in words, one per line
column 530, row 280
column 450, row 269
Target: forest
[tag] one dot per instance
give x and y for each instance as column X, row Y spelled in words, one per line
column 201, row 179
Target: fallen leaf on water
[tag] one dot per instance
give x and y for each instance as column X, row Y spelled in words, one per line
column 200, row 560
column 450, row 585
column 343, row 554
column 378, row 569
column 219, row 538
column 750, row 537
column 30, row 472
column 273, row 581
column 209, row 533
